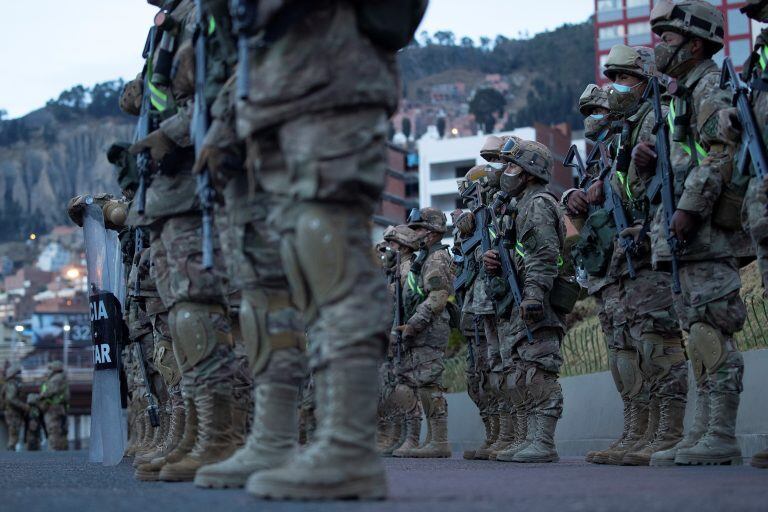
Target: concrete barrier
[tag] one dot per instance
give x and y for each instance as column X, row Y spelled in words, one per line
column 592, row 412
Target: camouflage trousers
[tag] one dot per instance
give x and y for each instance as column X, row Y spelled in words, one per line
column 642, row 332
column 712, row 311
column 56, row 426
column 13, row 421
column 307, row 417
column 755, row 222
column 32, row 434
column 483, row 384
column 327, row 171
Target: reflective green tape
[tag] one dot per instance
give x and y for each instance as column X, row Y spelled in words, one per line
column 211, row 25
column 625, row 182
column 671, row 121
column 413, row 285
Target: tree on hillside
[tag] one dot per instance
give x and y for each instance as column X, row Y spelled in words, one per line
column 485, row 104
column 3, row 114
column 467, row 42
column 445, row 38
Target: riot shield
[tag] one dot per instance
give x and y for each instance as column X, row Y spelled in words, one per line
column 106, row 292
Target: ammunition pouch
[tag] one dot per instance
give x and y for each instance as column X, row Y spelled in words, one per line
column 727, row 211
column 564, row 294
column 594, row 250
column 390, row 24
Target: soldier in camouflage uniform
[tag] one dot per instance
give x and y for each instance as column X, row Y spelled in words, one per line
column 196, row 297
column 399, row 429
column 33, row 424
column 15, row 407
column 644, row 323
column 756, row 201
column 707, row 225
column 532, row 363
column 54, row 401
column 426, row 285
column 314, row 121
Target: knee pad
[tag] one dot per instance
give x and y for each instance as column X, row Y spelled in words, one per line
column 706, row 348
column 197, row 329
column 268, row 322
column 630, row 378
column 406, row 400
column 315, row 258
column 165, row 362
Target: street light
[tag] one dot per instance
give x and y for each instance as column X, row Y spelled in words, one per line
column 65, row 361
column 19, row 328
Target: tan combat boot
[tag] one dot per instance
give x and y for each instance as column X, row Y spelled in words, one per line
column 718, row 445
column 436, row 408
column 158, row 438
column 383, row 434
column 599, row 456
column 412, row 433
column 342, row 462
column 217, row 439
column 506, row 436
column 700, row 421
column 525, row 429
column 396, row 434
column 654, row 414
column 268, row 446
column 668, row 433
column 150, row 472
column 470, row 454
column 137, row 434
column 638, row 424
column 173, row 436
column 483, row 453
column 547, row 399
column 760, row 460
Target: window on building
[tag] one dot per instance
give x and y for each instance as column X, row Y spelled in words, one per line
column 738, row 24
column 739, row 50
column 462, row 170
column 641, row 27
column 638, row 8
column 610, row 36
column 608, row 5
column 412, row 189
column 603, row 60
column 638, row 3
column 609, row 10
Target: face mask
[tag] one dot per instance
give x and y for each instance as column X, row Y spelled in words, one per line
column 513, row 181
column 595, row 125
column 622, row 98
column 674, row 61
column 496, row 165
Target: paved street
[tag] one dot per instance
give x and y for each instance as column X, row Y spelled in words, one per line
column 46, row 481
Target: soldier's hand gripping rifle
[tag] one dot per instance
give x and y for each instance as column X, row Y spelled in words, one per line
column 613, row 203
column 146, row 124
column 505, row 246
column 752, row 149
column 399, row 310
column 199, row 127
column 152, row 413
column 663, row 181
column 244, row 22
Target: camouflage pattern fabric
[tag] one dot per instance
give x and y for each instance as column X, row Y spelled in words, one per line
column 54, row 397
column 14, row 410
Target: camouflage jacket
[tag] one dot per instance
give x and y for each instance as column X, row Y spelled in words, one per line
column 323, row 62
column 539, row 229
column 55, row 389
column 173, row 190
column 426, row 292
column 12, row 396
column 703, row 165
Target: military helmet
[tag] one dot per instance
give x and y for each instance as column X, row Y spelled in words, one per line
column 756, row 9
column 402, row 235
column 32, row 398
column 533, row 157
column 13, row 370
column 429, row 218
column 491, row 148
column 638, row 61
column 695, row 18
column 55, row 366
column 592, row 97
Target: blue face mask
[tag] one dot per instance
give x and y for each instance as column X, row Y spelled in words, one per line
column 621, row 88
column 597, row 116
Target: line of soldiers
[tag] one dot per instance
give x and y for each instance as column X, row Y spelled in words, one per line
column 44, row 411
column 248, row 241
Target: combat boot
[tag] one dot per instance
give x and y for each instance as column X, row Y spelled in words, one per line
column 137, row 435
column 654, row 414
column 542, row 446
column 718, row 445
column 396, row 434
column 268, row 446
column 437, row 447
column 150, row 472
column 383, row 434
column 525, row 429
column 173, row 435
column 599, row 456
column 700, row 421
column 506, row 436
column 638, row 424
column 342, row 462
column 158, row 438
column 412, row 433
column 485, row 451
column 217, row 439
column 470, row 454
column 760, row 460
column 668, row 433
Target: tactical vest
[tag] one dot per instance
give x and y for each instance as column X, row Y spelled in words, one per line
column 413, row 291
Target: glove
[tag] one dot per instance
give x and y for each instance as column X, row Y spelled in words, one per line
column 633, row 231
column 595, row 193
column 577, row 202
column 158, row 144
column 407, row 331
column 76, row 206
column 491, row 262
column 115, row 213
column 644, row 156
column 531, row 311
column 684, row 224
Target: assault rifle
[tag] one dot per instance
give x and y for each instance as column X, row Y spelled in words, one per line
column 154, row 419
column 399, row 310
column 663, row 181
column 467, row 247
column 146, row 124
column 753, row 147
column 199, row 128
column 504, row 246
column 138, row 247
column 613, row 203
column 244, row 17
